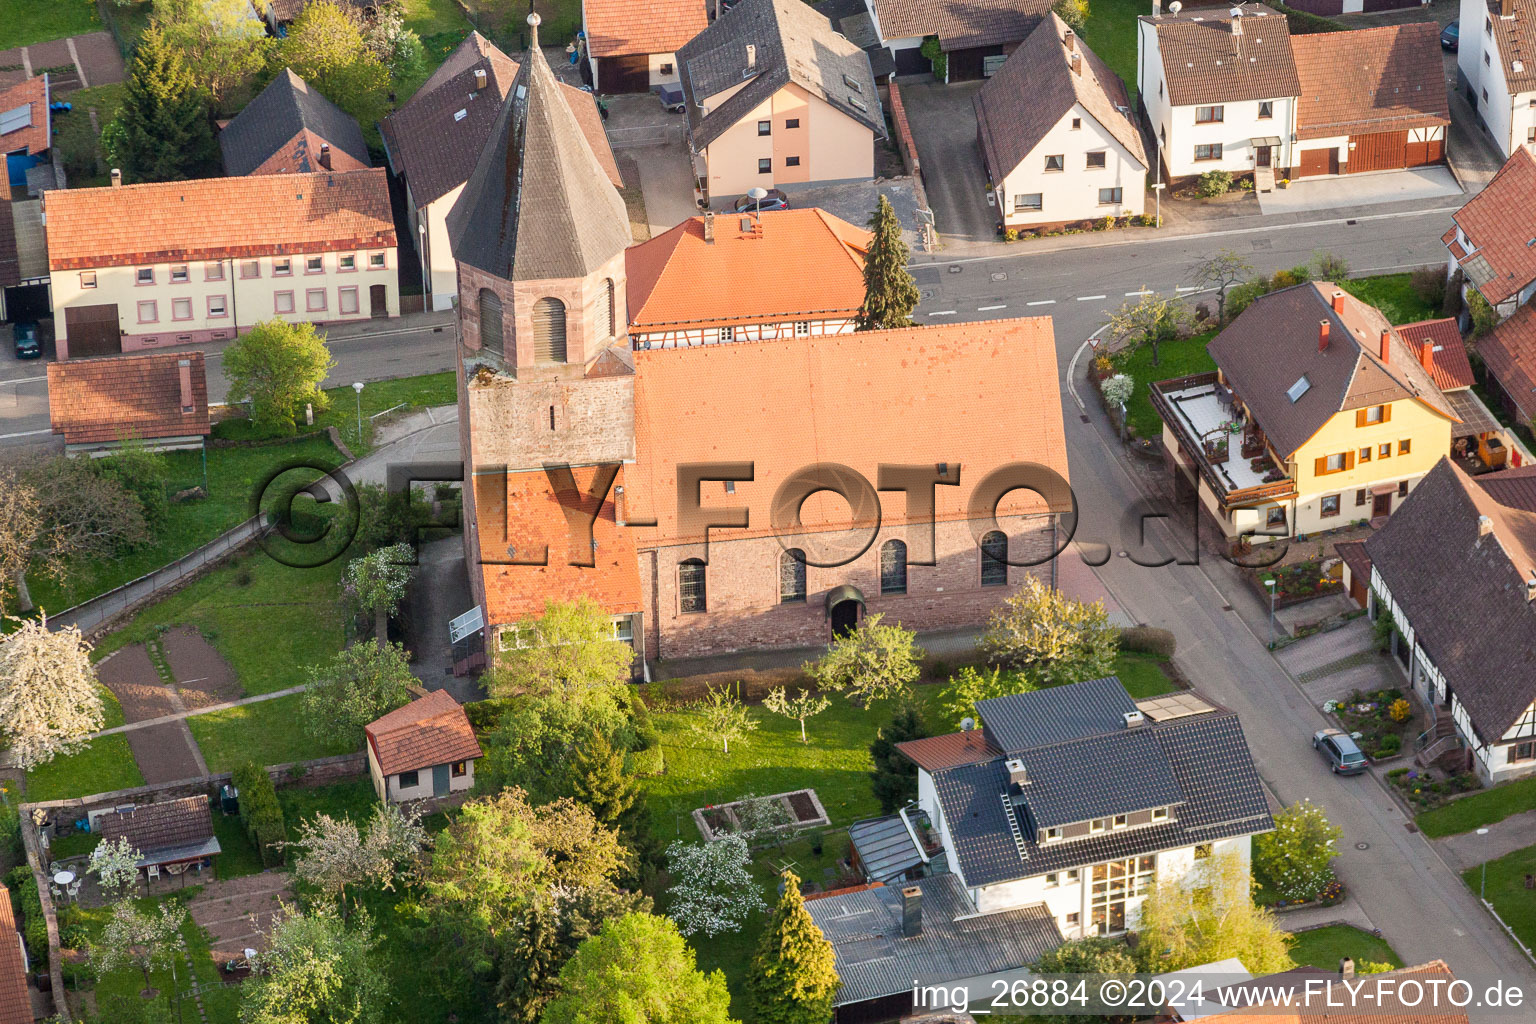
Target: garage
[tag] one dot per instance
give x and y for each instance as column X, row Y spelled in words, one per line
column 91, row 331
column 627, row 73
column 978, row 62
column 1378, row 151
column 1314, row 162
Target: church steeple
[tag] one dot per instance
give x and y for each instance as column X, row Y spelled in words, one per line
column 538, row 206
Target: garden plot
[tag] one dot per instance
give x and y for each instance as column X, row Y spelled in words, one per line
column 777, row 813
column 203, row 677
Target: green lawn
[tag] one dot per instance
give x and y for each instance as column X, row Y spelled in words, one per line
column 1507, row 892
column 1143, row 675
column 24, row 22
column 433, row 389
column 267, row 732
column 1479, row 809
column 354, row 799
column 1325, row 947
column 1111, row 33
column 1393, row 294
column 106, row 765
column 238, row 856
column 74, row 141
column 234, row 476
column 1174, row 359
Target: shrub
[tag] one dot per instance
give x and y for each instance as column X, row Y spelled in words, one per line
column 34, row 929
column 1451, row 304
column 10, row 834
column 1010, row 235
column 1390, row 744
column 1327, row 266
column 1428, row 284
column 650, row 761
column 1214, row 183
column 1484, row 318
column 1285, row 279
column 1400, row 710
column 261, row 812
column 1384, row 627
column 485, row 715
column 936, row 56
column 1148, row 640
column 1240, row 297
column 1305, row 23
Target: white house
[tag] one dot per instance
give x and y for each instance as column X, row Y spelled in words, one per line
column 1082, row 800
column 1496, row 72
column 1057, row 134
column 1219, row 90
column 426, row 749
column 632, row 44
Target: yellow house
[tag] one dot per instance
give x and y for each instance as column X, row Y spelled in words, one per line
column 776, row 98
column 1320, row 415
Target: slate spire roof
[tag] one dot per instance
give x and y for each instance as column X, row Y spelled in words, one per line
column 539, row 205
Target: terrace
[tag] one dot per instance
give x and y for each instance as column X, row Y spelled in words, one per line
column 1227, row 448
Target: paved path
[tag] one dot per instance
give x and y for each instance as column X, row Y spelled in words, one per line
column 93, row 59
column 1332, row 665
column 194, row 712
column 1469, row 849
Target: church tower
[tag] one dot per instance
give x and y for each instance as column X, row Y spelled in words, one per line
column 546, row 374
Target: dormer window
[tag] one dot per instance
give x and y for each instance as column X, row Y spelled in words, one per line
column 1121, row 821
column 1097, row 825
column 1052, row 834
column 1160, row 814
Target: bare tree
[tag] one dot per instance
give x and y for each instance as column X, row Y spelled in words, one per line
column 1221, row 271
column 20, row 524
column 49, row 698
column 1148, row 320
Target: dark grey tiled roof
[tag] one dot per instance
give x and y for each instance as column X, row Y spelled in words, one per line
column 1130, row 772
column 874, row 959
column 1209, row 766
column 539, row 205
column 1464, row 594
column 1055, row 714
column 1204, row 62
column 885, row 847
column 284, row 108
column 795, row 43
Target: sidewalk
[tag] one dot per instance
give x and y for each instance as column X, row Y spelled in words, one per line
column 1469, row 849
column 405, row 323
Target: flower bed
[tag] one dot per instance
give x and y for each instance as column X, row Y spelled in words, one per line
column 1382, row 722
column 1299, row 582
column 1428, row 788
column 1266, row 894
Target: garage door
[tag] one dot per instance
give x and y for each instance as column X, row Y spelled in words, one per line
column 1381, row 151
column 92, row 331
column 624, row 74
column 1423, row 153
column 1318, row 161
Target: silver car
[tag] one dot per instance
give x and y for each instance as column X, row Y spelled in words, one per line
column 1343, row 755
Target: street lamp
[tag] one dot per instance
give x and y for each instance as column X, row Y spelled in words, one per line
column 757, row 194
column 1482, row 890
column 1157, row 190
column 1270, row 583
column 358, row 387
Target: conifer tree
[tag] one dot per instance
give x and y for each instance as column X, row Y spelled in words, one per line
column 895, row 776
column 793, row 977
column 165, row 134
column 597, row 779
column 890, row 293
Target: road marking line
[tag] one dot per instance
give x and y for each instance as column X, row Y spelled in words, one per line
column 1090, row 298
column 983, row 309
column 1188, row 288
column 1144, row 291
column 24, row 380
column 1042, row 302
column 942, row 312
column 25, row 433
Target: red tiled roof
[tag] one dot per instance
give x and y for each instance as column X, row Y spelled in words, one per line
column 1448, row 354
column 33, row 137
column 1509, row 350
column 1500, row 223
column 217, row 218
column 151, row 827
column 801, row 264
column 619, row 27
column 429, row 731
column 977, row 395
column 523, row 513
column 15, row 1003
column 127, row 397
column 951, row 750
column 1387, row 78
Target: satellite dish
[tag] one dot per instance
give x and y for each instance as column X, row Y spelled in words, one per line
column 967, row 724
column 1175, row 7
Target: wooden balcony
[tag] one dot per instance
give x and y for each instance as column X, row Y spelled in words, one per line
column 1199, row 411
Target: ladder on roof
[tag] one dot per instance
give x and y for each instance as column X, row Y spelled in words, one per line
column 1013, row 826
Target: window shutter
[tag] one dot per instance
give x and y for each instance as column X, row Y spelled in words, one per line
column 1359, row 417
column 549, row 331
column 1349, row 461
column 1322, row 467
column 1386, row 414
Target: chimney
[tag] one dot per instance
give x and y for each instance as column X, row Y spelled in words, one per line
column 1484, row 526
column 1157, row 8
column 1134, row 719
column 751, row 57
column 1322, row 335
column 1338, row 302
column 911, row 912
column 325, row 155
column 1237, row 22
column 1530, row 588
column 1069, row 40
column 1506, row 8
column 1017, row 774
column 1427, row 356
column 618, row 505
column 1346, row 968
column 1386, row 346
column 709, row 228
column 481, row 79
column 1076, row 60
column 117, row 178
column 185, row 366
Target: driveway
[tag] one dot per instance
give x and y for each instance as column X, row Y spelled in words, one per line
column 944, row 127
column 1350, row 190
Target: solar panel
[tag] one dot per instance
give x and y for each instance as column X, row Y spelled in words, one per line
column 16, row 119
column 1177, row 705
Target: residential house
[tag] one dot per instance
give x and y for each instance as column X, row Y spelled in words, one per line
column 1057, row 134
column 425, row 749
column 433, row 141
column 777, row 99
column 891, row 940
column 632, row 44
column 1082, row 800
column 1490, row 237
column 291, row 128
column 26, row 127
column 173, row 836
column 15, row 997
column 972, row 38
column 1333, row 414
column 1219, row 87
column 1477, row 438
column 189, row 262
column 1456, row 570
column 156, row 399
column 706, row 280
column 1509, row 355
column 550, row 376
column 1495, row 71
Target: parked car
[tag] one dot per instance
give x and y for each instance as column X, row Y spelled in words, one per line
column 774, row 200
column 1450, row 36
column 1344, row 757
column 28, row 344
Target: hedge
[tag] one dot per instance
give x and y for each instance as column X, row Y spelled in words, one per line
column 1303, row 23
column 261, row 812
column 1147, row 640
column 29, row 906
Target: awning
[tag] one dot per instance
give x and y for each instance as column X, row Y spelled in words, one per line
column 1268, row 140
column 1384, row 488
column 1474, row 415
column 837, row 595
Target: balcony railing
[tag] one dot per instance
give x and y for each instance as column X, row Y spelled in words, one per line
column 1194, row 408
